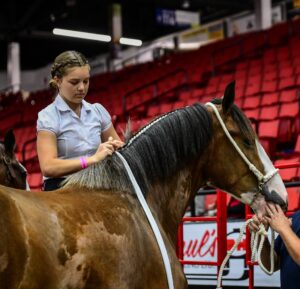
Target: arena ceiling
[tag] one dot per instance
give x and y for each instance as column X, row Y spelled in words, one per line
column 30, row 22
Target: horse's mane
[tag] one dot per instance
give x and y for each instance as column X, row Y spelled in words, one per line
column 154, row 153
column 157, row 151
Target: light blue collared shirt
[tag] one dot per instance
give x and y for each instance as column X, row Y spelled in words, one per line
column 75, row 136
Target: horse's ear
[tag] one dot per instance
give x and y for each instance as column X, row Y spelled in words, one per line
column 229, row 96
column 10, row 143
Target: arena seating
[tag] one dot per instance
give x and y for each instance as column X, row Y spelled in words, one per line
column 265, row 66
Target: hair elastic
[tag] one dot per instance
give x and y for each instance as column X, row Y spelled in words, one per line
column 83, row 162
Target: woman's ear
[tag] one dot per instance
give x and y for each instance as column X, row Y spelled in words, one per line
column 58, row 81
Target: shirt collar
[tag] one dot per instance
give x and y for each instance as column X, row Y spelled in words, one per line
column 62, row 105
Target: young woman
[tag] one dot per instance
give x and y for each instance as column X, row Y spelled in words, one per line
column 72, row 134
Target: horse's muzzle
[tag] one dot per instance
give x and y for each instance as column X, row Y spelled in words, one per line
column 274, row 197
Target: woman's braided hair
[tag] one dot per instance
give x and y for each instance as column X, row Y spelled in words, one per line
column 63, row 62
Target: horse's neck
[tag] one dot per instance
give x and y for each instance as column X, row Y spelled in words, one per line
column 169, row 201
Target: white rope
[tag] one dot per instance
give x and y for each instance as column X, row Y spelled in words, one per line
column 262, row 179
column 255, row 252
column 152, row 222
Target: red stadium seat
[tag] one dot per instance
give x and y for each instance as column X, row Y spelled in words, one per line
column 268, row 129
column 252, row 114
column 269, row 112
column 269, row 86
column 286, row 82
column 288, row 174
column 289, row 110
column 289, row 95
column 270, row 98
column 251, row 102
column 293, row 198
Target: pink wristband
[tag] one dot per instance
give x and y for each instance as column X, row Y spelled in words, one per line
column 83, row 162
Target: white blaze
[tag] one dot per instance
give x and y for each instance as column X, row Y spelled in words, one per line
column 275, row 183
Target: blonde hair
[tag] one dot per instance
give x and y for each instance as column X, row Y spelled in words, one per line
column 63, row 62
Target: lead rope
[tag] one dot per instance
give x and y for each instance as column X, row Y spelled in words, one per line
column 255, row 252
column 155, row 229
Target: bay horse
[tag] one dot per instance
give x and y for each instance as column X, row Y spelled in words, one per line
column 12, row 173
column 93, row 233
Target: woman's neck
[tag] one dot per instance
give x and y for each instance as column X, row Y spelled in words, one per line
column 76, row 107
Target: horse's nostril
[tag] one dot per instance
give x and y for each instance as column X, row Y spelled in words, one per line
column 274, row 197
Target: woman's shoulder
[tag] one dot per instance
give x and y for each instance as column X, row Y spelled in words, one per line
column 49, row 112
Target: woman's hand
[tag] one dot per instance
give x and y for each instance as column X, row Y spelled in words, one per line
column 277, row 219
column 106, row 149
column 116, row 143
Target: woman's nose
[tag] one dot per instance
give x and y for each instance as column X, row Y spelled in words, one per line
column 81, row 86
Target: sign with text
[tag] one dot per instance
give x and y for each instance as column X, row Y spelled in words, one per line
column 200, row 244
column 178, row 18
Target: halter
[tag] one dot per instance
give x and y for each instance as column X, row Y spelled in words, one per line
column 262, row 179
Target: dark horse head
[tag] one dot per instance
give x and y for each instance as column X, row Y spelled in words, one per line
column 12, row 173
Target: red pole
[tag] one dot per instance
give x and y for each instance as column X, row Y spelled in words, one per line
column 221, row 227
column 248, row 251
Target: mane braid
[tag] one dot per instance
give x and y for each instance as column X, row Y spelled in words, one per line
column 154, row 154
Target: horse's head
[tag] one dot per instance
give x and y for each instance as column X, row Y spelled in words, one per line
column 239, row 164
column 12, row 173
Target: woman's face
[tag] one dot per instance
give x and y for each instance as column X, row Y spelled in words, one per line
column 74, row 85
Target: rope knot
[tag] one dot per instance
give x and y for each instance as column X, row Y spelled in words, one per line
column 262, row 231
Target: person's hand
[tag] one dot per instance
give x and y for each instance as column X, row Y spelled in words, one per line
column 276, row 218
column 116, row 143
column 254, row 225
column 105, row 149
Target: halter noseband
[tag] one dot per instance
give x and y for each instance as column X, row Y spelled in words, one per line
column 262, row 179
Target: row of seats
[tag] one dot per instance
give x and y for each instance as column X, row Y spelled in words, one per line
column 266, row 73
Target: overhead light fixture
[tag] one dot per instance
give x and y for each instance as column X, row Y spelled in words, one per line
column 185, row 4
column 131, row 41
column 82, row 35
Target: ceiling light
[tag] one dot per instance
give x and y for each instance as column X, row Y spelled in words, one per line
column 82, row 35
column 130, row 41
column 185, row 4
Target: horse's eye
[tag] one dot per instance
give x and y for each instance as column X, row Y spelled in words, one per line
column 247, row 143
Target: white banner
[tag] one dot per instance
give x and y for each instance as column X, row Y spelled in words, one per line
column 200, row 244
column 247, row 23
